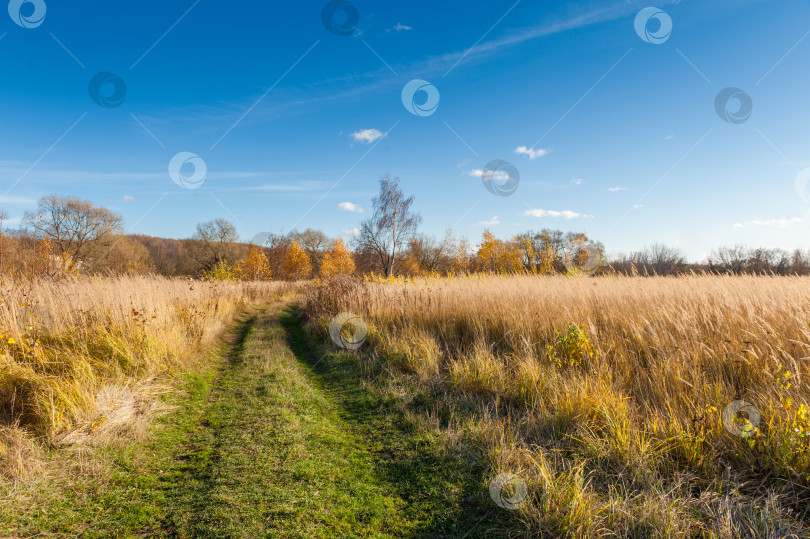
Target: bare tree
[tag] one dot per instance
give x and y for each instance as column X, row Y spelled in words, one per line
column 391, row 227
column 214, row 242
column 433, row 255
column 729, row 259
column 77, row 228
column 660, row 259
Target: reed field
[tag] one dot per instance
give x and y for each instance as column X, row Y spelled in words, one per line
column 629, row 406
column 72, row 348
column 551, row 406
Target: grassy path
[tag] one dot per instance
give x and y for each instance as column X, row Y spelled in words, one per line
column 279, row 453
column 274, row 444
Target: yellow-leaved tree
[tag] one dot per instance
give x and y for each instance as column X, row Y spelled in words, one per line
column 337, row 261
column 497, row 256
column 296, row 264
column 255, row 266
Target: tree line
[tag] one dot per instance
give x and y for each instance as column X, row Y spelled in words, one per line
column 66, row 235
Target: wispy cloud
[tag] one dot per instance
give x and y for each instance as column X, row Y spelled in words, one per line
column 781, row 222
column 498, row 175
column 358, row 85
column 13, row 221
column 128, row 198
column 286, row 187
column 577, row 181
column 352, row 232
column 530, row 153
column 402, row 28
column 565, row 214
column 16, row 200
column 350, row 206
column 367, row 136
column 616, row 189
column 492, row 222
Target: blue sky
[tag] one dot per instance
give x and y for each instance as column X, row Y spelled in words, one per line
column 620, row 137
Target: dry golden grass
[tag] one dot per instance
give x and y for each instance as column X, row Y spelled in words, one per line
column 76, row 356
column 606, row 395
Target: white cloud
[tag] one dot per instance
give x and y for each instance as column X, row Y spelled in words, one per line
column 16, row 200
column 307, row 185
column 367, row 136
column 565, row 214
column 13, row 221
column 350, row 206
column 616, row 189
column 352, row 232
column 492, row 222
column 530, row 153
column 402, row 28
column 128, row 198
column 577, row 181
column 668, row 137
column 498, row 175
column 781, row 222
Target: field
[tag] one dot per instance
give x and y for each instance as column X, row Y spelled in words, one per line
column 606, row 396
column 483, row 405
column 69, row 346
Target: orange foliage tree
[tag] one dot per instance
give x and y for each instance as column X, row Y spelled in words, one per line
column 296, row 264
column 255, row 266
column 497, row 256
column 337, row 261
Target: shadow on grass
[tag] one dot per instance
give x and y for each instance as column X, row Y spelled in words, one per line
column 444, row 496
